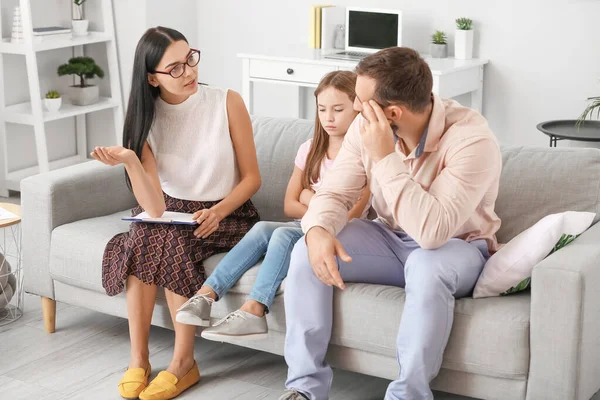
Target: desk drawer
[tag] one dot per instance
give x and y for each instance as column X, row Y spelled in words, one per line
column 289, row 71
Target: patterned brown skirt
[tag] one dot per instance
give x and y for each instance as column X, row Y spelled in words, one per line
column 168, row 255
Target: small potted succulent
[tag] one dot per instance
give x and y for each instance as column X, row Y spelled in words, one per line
column 463, row 39
column 85, row 68
column 80, row 25
column 439, row 45
column 53, row 101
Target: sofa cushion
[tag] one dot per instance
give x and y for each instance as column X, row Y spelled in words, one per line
column 489, row 336
column 277, row 142
column 77, row 250
column 536, row 182
column 509, row 270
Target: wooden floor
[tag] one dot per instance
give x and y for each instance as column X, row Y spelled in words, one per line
column 88, row 354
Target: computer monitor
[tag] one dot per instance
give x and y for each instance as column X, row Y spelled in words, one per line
column 369, row 30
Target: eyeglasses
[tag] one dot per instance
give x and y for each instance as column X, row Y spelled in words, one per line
column 179, row 69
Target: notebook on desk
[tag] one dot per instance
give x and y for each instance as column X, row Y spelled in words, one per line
column 369, row 30
column 5, row 214
column 169, row 217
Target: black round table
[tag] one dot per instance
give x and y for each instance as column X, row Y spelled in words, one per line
column 588, row 131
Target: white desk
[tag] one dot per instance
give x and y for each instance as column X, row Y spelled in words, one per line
column 305, row 68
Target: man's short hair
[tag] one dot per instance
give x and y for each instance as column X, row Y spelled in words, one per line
column 402, row 77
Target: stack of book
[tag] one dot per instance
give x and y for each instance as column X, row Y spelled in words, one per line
column 324, row 20
column 50, row 30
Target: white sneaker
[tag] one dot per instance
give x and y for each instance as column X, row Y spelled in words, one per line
column 238, row 324
column 195, row 311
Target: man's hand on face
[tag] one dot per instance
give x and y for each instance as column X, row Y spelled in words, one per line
column 376, row 132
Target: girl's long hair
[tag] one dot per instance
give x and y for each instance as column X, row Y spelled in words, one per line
column 140, row 110
column 345, row 82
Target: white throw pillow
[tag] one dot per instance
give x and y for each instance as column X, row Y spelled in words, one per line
column 509, row 270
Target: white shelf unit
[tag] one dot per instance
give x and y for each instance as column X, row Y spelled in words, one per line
column 52, row 42
column 22, row 113
column 33, row 114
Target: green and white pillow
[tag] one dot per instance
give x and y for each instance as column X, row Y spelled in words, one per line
column 509, row 270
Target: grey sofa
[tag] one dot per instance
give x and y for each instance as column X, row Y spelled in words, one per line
column 539, row 345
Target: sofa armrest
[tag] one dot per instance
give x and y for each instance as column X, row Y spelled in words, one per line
column 60, row 197
column 565, row 322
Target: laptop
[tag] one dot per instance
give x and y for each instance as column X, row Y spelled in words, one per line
column 369, row 30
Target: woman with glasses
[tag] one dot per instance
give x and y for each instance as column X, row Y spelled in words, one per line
column 187, row 148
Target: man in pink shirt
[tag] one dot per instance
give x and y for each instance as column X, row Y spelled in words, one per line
column 433, row 167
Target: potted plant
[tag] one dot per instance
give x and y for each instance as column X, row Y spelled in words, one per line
column 53, row 101
column 463, row 39
column 80, row 25
column 593, row 107
column 85, row 68
column 439, row 46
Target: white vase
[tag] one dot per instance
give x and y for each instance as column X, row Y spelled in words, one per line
column 463, row 44
column 17, row 27
column 438, row 50
column 53, row 105
column 80, row 27
column 84, row 96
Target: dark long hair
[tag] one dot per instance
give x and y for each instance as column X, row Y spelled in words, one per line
column 345, row 82
column 140, row 111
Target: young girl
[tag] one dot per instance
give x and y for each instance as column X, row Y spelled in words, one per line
column 275, row 240
column 188, row 148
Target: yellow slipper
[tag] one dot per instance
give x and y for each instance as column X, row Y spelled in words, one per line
column 133, row 382
column 166, row 385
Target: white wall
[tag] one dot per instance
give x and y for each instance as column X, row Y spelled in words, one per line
column 130, row 26
column 132, row 18
column 177, row 14
column 544, row 58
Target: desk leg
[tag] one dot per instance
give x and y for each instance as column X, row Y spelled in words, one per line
column 247, row 85
column 477, row 95
column 3, row 144
column 3, row 153
column 301, row 113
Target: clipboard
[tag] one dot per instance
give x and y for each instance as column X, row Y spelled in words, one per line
column 169, row 217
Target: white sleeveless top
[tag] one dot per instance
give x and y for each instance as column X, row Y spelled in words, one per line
column 193, row 148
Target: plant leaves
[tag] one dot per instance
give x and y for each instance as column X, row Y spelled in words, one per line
column 519, row 287
column 83, row 67
column 593, row 107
